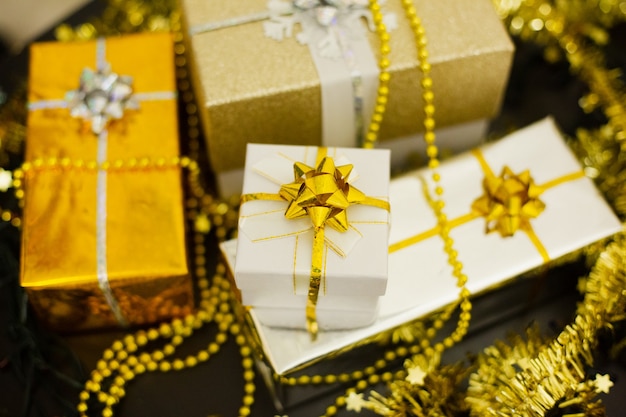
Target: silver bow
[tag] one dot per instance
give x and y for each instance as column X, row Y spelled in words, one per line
column 327, row 11
column 102, row 96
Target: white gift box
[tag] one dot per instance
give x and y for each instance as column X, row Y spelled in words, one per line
column 273, row 263
column 420, row 279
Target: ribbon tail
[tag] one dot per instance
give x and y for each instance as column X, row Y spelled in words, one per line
column 314, row 282
column 537, row 243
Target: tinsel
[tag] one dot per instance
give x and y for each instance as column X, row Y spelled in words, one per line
column 528, row 375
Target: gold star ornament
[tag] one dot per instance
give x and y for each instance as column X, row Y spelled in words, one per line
column 355, row 402
column 416, row 375
column 603, row 383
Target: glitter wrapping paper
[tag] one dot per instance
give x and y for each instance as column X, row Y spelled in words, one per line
column 420, row 279
column 255, row 89
column 274, row 272
column 145, row 257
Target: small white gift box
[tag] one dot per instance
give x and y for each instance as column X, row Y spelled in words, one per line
column 420, row 279
column 274, row 253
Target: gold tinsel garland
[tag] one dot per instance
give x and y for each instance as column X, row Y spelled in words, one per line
column 526, row 376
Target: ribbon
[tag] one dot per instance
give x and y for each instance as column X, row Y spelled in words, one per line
column 342, row 55
column 322, row 194
column 509, row 203
column 102, row 96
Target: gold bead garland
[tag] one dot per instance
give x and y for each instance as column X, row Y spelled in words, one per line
column 437, row 205
column 371, row 137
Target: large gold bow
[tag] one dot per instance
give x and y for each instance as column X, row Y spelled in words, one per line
column 323, row 194
column 509, row 202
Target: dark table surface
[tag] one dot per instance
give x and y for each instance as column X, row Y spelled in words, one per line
column 215, row 388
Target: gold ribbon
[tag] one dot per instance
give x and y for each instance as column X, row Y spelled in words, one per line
column 510, row 201
column 323, row 194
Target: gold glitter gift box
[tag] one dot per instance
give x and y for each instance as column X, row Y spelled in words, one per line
column 251, row 87
column 512, row 207
column 103, row 240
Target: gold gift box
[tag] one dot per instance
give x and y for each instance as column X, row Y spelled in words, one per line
column 129, row 235
column 251, row 88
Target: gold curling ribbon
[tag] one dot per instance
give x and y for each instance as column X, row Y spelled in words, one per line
column 508, row 204
column 323, row 194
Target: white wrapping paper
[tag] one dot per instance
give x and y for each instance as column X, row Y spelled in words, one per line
column 420, row 280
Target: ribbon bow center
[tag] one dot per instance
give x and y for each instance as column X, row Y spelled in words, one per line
column 101, row 96
column 509, row 202
column 322, row 193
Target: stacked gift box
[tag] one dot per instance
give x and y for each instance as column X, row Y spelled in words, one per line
column 420, row 280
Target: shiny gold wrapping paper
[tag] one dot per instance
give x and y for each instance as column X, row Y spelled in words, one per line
column 145, row 231
column 255, row 89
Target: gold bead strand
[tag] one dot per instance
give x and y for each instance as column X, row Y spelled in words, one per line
column 116, row 360
column 369, row 372
column 371, row 137
column 437, row 205
column 119, row 359
column 247, row 363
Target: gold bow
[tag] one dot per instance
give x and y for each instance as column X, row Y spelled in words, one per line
column 509, row 202
column 323, row 194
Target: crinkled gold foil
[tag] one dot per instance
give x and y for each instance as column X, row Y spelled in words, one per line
column 255, row 89
column 145, row 247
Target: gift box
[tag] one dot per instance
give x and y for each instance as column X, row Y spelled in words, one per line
column 286, row 189
column 256, row 82
column 563, row 212
column 103, row 240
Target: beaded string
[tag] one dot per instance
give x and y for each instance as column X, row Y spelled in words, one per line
column 437, row 202
column 437, row 205
column 371, row 137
